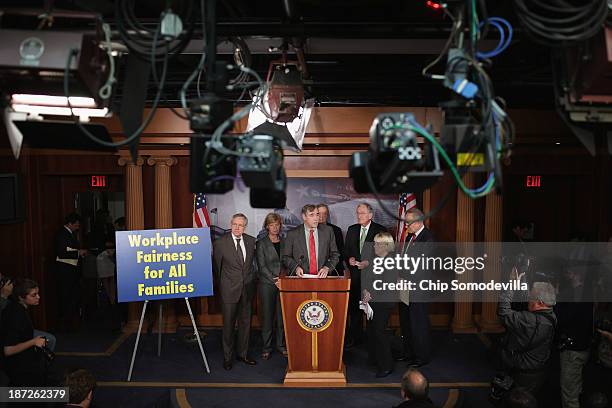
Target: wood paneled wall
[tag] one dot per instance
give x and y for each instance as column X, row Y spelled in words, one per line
column 576, row 193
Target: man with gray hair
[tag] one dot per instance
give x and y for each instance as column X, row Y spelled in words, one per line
column 529, row 335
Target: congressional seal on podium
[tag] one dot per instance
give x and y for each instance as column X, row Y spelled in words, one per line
column 314, row 315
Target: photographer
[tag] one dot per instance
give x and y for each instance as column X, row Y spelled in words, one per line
column 529, row 335
column 26, row 355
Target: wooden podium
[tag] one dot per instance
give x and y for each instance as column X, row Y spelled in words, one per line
column 314, row 314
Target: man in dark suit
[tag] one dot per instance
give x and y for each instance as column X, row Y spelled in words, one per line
column 311, row 247
column 67, row 252
column 233, row 255
column 324, row 219
column 358, row 255
column 414, row 315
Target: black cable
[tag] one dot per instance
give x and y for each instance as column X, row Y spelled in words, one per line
column 560, row 25
column 73, row 52
column 139, row 39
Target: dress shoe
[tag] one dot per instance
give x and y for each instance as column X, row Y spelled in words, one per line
column 383, row 374
column 283, row 351
column 416, row 363
column 266, row 355
column 247, row 360
column 227, row 365
column 402, row 358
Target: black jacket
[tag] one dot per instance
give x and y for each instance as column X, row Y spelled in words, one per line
column 351, row 244
column 416, row 404
column 64, row 239
column 339, row 245
column 529, row 335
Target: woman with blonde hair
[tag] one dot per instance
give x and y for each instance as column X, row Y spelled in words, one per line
column 269, row 264
column 379, row 344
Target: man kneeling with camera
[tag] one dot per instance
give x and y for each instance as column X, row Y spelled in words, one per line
column 529, row 335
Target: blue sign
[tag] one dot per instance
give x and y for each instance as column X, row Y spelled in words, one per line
column 164, row 264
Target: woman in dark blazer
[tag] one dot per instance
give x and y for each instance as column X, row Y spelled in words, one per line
column 379, row 343
column 268, row 268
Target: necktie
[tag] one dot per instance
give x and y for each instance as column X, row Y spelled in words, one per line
column 313, row 254
column 409, row 243
column 362, row 238
column 239, row 251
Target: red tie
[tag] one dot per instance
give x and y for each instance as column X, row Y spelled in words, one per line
column 313, row 254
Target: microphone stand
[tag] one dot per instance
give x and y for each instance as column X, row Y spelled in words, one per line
column 299, row 263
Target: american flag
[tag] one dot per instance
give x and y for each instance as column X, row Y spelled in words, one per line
column 406, row 202
column 200, row 212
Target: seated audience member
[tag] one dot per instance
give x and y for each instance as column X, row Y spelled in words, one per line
column 529, row 335
column 415, row 390
column 520, row 398
column 25, row 361
column 81, row 384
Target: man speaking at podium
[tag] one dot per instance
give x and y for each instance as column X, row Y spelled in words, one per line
column 310, row 249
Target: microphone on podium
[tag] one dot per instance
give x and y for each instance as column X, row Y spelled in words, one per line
column 299, row 263
column 333, row 268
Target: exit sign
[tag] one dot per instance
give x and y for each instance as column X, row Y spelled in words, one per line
column 98, row 181
column 533, row 181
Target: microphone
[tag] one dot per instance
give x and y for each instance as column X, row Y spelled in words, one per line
column 333, row 268
column 299, row 263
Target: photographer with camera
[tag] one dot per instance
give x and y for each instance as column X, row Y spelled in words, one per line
column 529, row 336
column 26, row 356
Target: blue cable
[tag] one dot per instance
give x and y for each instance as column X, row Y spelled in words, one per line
column 503, row 43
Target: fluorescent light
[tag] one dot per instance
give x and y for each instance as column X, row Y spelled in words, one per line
column 557, row 143
column 60, row 111
column 49, row 100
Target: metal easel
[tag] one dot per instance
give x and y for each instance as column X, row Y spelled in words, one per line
column 159, row 336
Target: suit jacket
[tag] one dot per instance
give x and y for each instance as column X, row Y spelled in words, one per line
column 64, row 239
column 296, row 247
column 351, row 245
column 233, row 277
column 422, row 244
column 339, row 245
column 268, row 261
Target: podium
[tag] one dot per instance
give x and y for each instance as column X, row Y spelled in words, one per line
column 314, row 314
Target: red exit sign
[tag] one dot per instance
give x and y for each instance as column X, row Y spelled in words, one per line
column 533, row 181
column 98, row 181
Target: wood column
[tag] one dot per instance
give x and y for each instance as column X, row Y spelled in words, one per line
column 462, row 320
column 163, row 219
column 427, row 205
column 134, row 212
column 493, row 271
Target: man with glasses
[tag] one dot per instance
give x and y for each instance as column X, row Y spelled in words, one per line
column 233, row 255
column 414, row 315
column 358, row 253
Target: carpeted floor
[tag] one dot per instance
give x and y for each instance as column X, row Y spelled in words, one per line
column 459, row 373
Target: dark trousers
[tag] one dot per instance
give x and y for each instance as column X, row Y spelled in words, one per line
column 379, row 343
column 354, row 320
column 272, row 317
column 237, row 314
column 414, row 325
column 531, row 381
column 68, row 289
